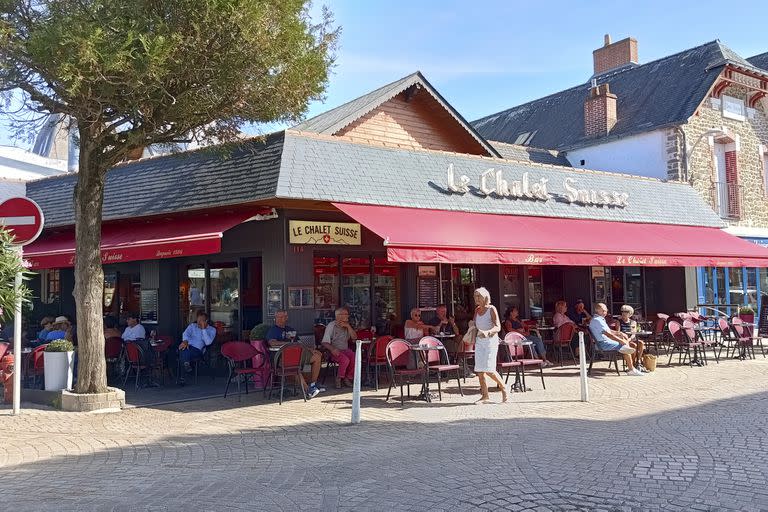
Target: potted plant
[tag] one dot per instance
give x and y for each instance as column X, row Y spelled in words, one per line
column 59, row 358
column 259, row 332
column 747, row 314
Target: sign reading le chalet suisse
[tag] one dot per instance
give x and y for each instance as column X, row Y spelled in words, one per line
column 323, row 233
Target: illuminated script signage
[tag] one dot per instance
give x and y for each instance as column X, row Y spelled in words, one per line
column 494, row 183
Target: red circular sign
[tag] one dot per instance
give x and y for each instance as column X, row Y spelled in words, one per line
column 23, row 218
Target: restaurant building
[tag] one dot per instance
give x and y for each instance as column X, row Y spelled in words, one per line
column 699, row 116
column 385, row 203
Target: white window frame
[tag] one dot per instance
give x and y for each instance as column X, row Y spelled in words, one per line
column 733, row 102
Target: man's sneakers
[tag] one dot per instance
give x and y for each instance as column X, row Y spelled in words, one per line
column 626, row 349
column 634, row 372
column 314, row 390
column 187, row 367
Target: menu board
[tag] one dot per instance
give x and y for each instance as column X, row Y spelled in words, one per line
column 427, row 289
column 148, row 301
column 762, row 319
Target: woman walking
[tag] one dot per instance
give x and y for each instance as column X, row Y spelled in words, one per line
column 487, row 344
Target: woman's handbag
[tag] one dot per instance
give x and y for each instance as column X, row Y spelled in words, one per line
column 471, row 334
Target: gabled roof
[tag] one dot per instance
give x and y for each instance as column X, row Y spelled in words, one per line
column 336, row 119
column 760, row 61
column 661, row 93
column 529, row 154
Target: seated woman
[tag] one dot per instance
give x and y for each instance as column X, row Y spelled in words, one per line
column 47, row 326
column 512, row 323
column 414, row 327
column 561, row 318
column 625, row 323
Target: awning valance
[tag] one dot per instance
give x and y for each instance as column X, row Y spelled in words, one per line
column 141, row 239
column 439, row 236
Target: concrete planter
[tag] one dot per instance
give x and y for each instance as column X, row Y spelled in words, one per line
column 58, row 369
column 112, row 400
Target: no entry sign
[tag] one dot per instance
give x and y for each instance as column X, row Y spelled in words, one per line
column 23, row 218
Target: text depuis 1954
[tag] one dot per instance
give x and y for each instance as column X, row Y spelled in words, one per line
column 493, row 182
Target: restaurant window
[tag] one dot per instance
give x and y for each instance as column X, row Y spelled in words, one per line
column 721, row 297
column 446, row 287
column 224, row 298
column 752, row 299
column 326, row 288
column 510, row 286
column 736, row 286
column 535, row 292
column 121, row 295
column 356, row 290
column 464, row 282
column 706, row 286
column 50, row 286
column 192, row 292
column 386, row 294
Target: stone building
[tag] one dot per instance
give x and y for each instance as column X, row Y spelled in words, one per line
column 699, row 116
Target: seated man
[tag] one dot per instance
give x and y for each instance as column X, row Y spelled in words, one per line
column 135, row 333
column 277, row 336
column 197, row 336
column 336, row 340
column 580, row 315
column 608, row 340
column 444, row 324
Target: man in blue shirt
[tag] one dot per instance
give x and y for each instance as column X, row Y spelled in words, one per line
column 197, row 336
column 609, row 340
column 278, row 335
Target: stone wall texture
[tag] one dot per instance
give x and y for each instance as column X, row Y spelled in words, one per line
column 752, row 136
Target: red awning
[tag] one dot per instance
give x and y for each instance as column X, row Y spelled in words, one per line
column 141, row 239
column 438, row 236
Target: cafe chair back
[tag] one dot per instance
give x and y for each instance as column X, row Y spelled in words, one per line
column 377, row 357
column 238, row 354
column 36, row 364
column 562, row 339
column 505, row 360
column 439, row 363
column 612, row 356
column 399, row 358
column 134, row 356
column 514, row 342
column 682, row 342
column 288, row 364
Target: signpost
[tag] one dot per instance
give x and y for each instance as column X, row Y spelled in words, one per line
column 24, row 219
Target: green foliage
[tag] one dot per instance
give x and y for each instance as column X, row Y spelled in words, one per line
column 139, row 72
column 745, row 310
column 259, row 332
column 10, row 265
column 60, row 346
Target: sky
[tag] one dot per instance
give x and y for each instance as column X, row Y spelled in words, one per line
column 484, row 56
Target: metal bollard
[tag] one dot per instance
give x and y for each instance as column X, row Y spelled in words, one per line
column 356, row 384
column 583, row 369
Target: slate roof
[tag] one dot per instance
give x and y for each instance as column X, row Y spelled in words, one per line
column 760, row 61
column 206, row 178
column 529, row 154
column 661, row 93
column 335, row 170
column 334, row 120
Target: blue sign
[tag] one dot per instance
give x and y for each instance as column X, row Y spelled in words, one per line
column 759, row 241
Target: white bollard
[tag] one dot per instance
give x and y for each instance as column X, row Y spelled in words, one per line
column 583, row 369
column 356, row 384
column 17, row 348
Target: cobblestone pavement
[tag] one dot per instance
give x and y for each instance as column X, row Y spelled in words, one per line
column 679, row 439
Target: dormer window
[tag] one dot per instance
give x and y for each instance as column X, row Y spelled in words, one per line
column 733, row 108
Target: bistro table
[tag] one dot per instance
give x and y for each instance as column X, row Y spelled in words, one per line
column 423, row 350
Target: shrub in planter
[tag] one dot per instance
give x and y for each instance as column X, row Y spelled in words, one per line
column 59, row 365
column 747, row 314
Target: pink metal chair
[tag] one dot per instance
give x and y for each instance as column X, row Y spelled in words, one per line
column 237, row 354
column 398, row 358
column 682, row 343
column 377, row 357
column 744, row 339
column 439, row 363
column 562, row 338
column 514, row 342
column 505, row 362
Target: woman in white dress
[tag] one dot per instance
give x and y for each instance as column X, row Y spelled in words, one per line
column 487, row 344
column 414, row 327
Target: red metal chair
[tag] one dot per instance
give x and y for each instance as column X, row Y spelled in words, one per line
column 113, row 349
column 377, row 357
column 134, row 356
column 4, row 348
column 37, row 363
column 398, row 331
column 438, row 362
column 398, row 358
column 505, row 362
column 237, row 354
column 288, row 363
column 514, row 342
column 562, row 338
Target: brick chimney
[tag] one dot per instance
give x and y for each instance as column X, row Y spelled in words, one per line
column 599, row 111
column 615, row 55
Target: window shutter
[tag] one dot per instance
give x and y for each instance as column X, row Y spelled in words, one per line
column 732, row 184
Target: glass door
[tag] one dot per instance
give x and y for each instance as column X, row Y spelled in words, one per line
column 326, row 288
column 225, row 299
column 192, row 293
column 356, row 290
column 464, row 280
column 386, row 295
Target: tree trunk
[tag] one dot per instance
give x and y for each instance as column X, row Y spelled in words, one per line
column 89, row 276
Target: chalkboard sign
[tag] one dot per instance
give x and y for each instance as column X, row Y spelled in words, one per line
column 762, row 319
column 428, row 288
column 149, row 301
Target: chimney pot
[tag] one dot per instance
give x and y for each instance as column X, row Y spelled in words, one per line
column 607, row 40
